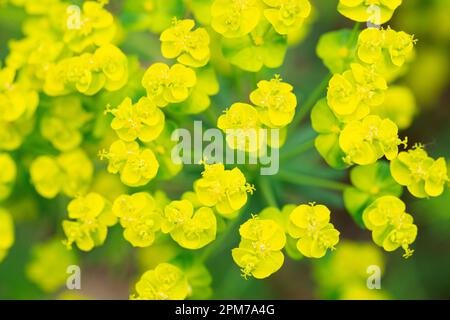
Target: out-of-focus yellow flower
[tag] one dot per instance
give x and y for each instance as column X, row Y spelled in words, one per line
column 48, row 265
column 191, row 48
column 7, row 175
column 70, row 172
column 6, row 233
column 287, row 15
column 165, row 282
column 235, row 18
column 374, row 11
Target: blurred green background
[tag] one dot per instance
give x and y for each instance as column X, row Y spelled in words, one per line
column 109, row 271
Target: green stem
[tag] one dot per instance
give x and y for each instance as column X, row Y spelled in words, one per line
column 354, row 34
column 266, row 192
column 301, row 148
column 305, row 180
column 311, row 101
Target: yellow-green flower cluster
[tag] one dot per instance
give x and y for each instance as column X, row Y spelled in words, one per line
column 70, row 172
column 275, row 102
column 91, row 216
column 136, row 165
column 165, row 282
column 259, row 252
column 143, row 120
column 273, row 107
column 191, row 230
column 93, row 26
column 303, row 231
column 367, row 140
column 88, row 73
column 344, row 274
column 310, row 224
column 6, row 233
column 351, row 94
column 189, row 47
column 222, row 189
column 255, row 32
column 7, row 175
column 18, row 102
column 166, row 84
column 374, row 11
column 391, row 226
column 139, row 216
column 233, row 18
column 385, row 49
column 49, row 264
column 421, row 174
column 63, row 122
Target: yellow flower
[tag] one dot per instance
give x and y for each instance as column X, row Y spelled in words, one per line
column 259, row 252
column 92, row 215
column 71, row 172
column 166, row 85
column 48, row 265
column 276, row 102
column 189, row 47
column 367, row 140
column 374, row 11
column 95, row 27
column 196, row 232
column 113, row 64
column 421, row 174
column 226, row 190
column 351, row 94
column 235, row 18
column 310, row 225
column 137, row 166
column 391, row 227
column 139, row 216
column 140, row 168
column 165, row 282
column 6, row 232
column 242, row 127
column 63, row 123
column 7, row 175
column 287, row 16
column 142, row 120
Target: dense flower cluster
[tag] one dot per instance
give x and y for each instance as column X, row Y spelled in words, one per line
column 139, row 216
column 310, row 224
column 259, row 253
column 376, row 12
column 165, row 282
column 225, row 190
column 274, row 108
column 359, row 123
column 91, row 216
column 67, row 90
column 391, row 227
column 6, row 232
